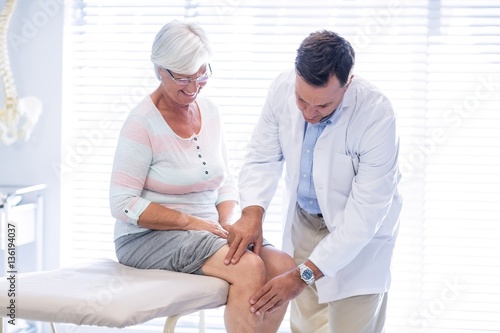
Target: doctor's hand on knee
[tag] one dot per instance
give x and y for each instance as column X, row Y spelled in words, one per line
column 247, row 230
column 277, row 292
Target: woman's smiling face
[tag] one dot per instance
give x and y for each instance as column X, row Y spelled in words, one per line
column 183, row 89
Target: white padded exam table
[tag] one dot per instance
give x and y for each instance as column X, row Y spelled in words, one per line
column 107, row 293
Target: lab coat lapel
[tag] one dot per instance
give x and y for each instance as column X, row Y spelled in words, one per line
column 297, row 126
column 296, row 138
column 345, row 111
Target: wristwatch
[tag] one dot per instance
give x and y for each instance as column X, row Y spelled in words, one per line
column 306, row 274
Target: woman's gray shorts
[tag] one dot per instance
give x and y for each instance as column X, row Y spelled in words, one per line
column 183, row 251
column 173, row 250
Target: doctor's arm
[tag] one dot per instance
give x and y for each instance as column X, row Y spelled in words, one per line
column 370, row 200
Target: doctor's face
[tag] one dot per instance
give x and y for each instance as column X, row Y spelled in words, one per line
column 317, row 103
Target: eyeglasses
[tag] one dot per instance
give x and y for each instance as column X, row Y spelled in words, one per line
column 186, row 80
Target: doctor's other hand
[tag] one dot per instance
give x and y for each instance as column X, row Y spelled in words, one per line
column 277, row 292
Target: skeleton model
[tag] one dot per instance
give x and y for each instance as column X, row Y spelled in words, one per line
column 17, row 116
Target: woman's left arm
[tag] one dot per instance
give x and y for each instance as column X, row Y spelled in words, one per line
column 228, row 213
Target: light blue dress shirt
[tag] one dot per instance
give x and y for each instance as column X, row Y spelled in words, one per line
column 306, row 194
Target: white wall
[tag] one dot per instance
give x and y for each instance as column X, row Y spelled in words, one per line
column 35, row 49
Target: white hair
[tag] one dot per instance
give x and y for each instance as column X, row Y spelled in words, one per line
column 182, row 47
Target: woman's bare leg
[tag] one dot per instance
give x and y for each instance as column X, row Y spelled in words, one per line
column 245, row 278
column 277, row 263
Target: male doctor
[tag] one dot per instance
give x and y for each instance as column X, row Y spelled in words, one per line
column 336, row 135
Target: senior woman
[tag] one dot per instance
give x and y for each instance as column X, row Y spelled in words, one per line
column 171, row 192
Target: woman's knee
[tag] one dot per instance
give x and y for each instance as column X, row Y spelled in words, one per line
column 252, row 266
column 277, row 262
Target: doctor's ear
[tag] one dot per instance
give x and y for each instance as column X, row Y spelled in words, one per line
column 349, row 81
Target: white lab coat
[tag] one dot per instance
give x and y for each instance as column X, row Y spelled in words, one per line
column 355, row 173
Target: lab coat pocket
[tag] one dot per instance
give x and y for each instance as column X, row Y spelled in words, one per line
column 343, row 173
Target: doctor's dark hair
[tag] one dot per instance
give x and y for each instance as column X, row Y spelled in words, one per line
column 323, row 54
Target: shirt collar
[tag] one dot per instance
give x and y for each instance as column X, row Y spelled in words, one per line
column 333, row 116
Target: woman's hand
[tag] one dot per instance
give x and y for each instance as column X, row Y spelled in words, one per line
column 214, row 227
column 158, row 217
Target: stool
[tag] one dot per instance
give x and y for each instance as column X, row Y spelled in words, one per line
column 107, row 293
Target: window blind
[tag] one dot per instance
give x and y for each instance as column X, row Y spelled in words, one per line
column 436, row 60
column 461, row 253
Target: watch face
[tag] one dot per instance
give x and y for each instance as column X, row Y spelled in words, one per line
column 307, row 274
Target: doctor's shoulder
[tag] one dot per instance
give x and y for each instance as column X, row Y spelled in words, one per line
column 371, row 99
column 282, row 85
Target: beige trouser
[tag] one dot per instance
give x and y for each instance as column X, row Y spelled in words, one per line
column 358, row 314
